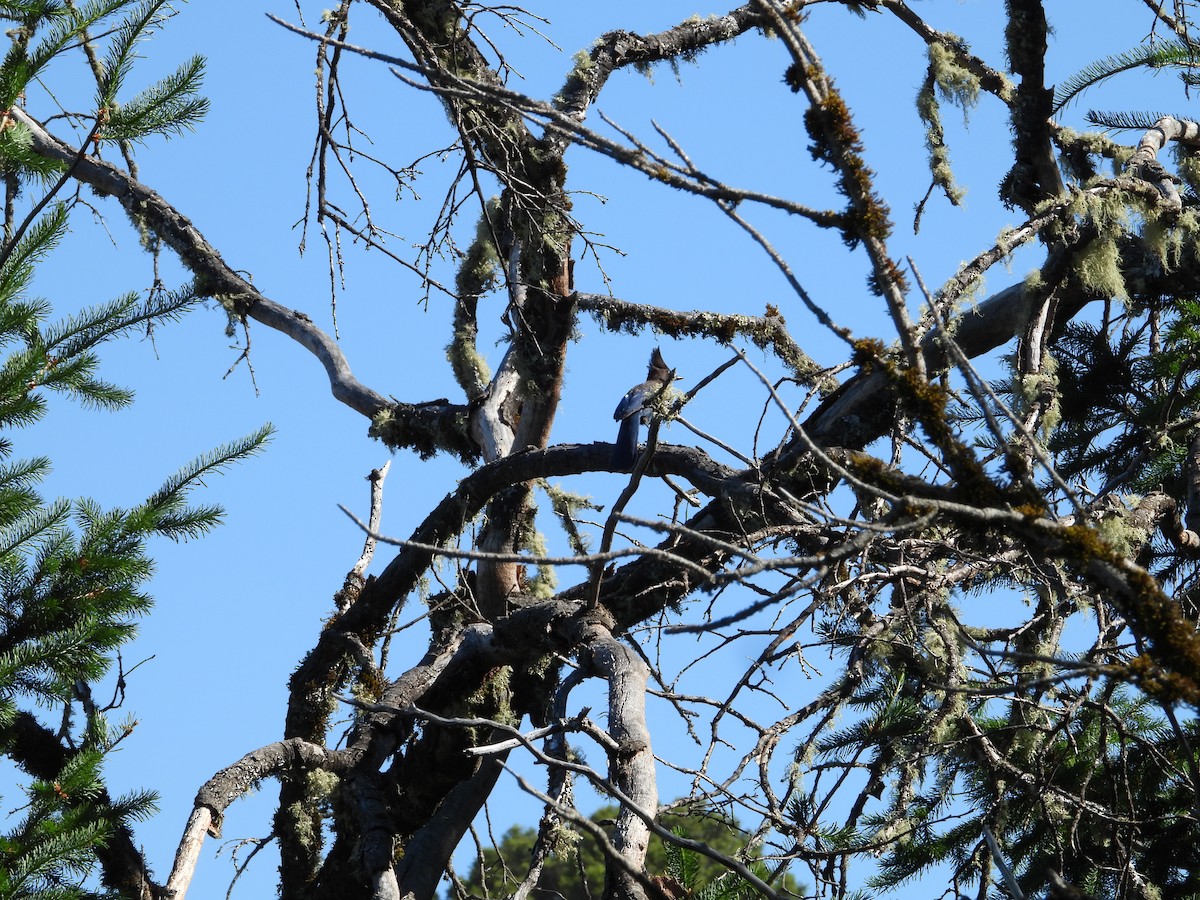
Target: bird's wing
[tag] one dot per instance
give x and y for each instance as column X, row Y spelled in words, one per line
column 632, row 402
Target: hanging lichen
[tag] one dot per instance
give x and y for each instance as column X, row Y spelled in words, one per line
column 956, row 83
column 948, row 80
column 479, row 273
column 1165, row 237
column 1039, row 389
column 543, row 584
column 1098, row 266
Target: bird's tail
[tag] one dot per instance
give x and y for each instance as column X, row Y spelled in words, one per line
column 625, row 450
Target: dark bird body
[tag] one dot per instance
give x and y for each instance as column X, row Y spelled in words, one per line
column 631, row 411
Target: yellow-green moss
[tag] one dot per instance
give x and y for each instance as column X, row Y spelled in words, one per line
column 1165, row 236
column 1116, row 529
column 1187, row 164
column 543, row 584
column 1040, row 387
column 320, row 785
column 305, row 824
column 955, row 82
column 1099, row 267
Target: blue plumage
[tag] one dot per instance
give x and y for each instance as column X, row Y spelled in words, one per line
column 631, row 411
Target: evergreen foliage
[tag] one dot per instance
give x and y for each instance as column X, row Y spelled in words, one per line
column 72, row 573
column 51, row 849
column 168, row 107
column 1114, row 752
column 1159, row 55
column 1054, row 730
column 575, row 871
column 45, row 30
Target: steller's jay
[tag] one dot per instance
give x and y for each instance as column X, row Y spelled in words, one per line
column 631, row 410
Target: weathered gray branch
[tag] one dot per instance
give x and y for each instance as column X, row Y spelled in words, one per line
column 214, row 276
column 1144, row 163
column 631, row 767
column 232, row 782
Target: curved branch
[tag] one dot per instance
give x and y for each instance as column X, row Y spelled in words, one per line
column 1144, row 163
column 232, row 782
column 401, row 575
column 618, row 49
column 631, row 766
column 214, row 276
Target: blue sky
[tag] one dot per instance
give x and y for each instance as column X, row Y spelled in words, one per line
column 237, row 610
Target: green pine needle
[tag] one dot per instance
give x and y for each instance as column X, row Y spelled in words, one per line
column 166, row 513
column 1157, row 56
column 145, row 18
column 41, row 238
column 29, row 527
column 169, row 107
column 1127, row 121
column 67, row 28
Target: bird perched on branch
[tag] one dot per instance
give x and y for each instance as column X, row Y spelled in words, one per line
column 631, row 411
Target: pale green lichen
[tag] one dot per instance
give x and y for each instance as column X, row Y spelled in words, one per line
column 481, row 270
column 1082, row 150
column 1006, row 239
column 492, row 698
column 1107, row 210
column 583, row 63
column 896, row 832
column 566, row 506
column 564, row 841
column 1115, row 528
column 947, row 78
column 1187, row 165
column 320, row 785
column 1099, row 268
column 305, row 824
column 955, row 82
column 544, row 583
column 1040, row 387
column 1166, row 236
column 953, row 710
